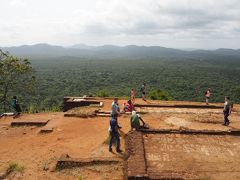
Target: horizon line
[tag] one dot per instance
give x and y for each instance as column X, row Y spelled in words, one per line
column 83, row 44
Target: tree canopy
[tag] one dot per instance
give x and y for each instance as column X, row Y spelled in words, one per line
column 16, row 76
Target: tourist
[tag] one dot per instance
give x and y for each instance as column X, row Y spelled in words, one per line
column 114, row 134
column 207, row 95
column 133, row 96
column 135, row 121
column 227, row 110
column 129, row 107
column 143, row 91
column 16, row 106
column 115, row 111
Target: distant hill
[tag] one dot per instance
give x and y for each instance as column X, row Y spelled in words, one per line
column 110, row 51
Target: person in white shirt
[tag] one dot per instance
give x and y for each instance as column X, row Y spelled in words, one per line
column 207, row 95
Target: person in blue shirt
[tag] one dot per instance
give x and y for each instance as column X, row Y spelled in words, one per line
column 114, row 134
column 115, row 111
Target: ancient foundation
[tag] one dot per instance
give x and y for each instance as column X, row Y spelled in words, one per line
column 29, row 122
column 179, row 106
column 66, row 161
column 168, row 154
column 72, row 102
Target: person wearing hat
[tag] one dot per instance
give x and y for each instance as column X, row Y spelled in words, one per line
column 135, row 121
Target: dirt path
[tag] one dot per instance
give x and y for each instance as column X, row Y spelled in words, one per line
column 74, row 136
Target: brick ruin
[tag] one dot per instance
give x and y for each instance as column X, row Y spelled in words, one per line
column 72, row 102
column 171, row 154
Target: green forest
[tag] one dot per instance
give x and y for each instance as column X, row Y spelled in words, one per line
column 177, row 79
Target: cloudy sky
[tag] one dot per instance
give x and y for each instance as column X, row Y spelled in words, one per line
column 206, row 24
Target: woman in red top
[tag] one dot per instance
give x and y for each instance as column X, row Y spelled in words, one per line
column 129, row 107
column 133, row 96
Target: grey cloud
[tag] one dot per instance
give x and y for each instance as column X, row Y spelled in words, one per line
column 134, row 21
column 181, row 18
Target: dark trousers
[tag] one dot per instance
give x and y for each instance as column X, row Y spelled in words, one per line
column 18, row 109
column 114, row 135
column 226, row 114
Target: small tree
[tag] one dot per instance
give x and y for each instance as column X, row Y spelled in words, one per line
column 16, row 75
column 102, row 93
column 159, row 95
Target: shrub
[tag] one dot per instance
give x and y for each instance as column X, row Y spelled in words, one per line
column 15, row 167
column 159, row 95
column 102, row 93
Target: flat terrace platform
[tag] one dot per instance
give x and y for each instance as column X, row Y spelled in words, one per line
column 198, row 106
column 72, row 102
column 183, row 155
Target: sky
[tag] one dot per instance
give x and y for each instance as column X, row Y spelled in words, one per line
column 197, row 24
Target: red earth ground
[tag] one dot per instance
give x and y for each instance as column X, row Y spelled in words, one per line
column 85, row 137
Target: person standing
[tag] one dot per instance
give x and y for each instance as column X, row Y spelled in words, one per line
column 133, row 96
column 16, row 107
column 227, row 110
column 207, row 95
column 143, row 90
column 115, row 111
column 114, row 134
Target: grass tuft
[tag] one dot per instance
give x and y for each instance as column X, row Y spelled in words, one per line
column 14, row 167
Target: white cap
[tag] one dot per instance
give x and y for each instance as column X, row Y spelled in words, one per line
column 134, row 113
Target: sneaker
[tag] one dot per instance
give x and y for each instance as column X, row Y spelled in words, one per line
column 110, row 150
column 224, row 124
column 227, row 123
